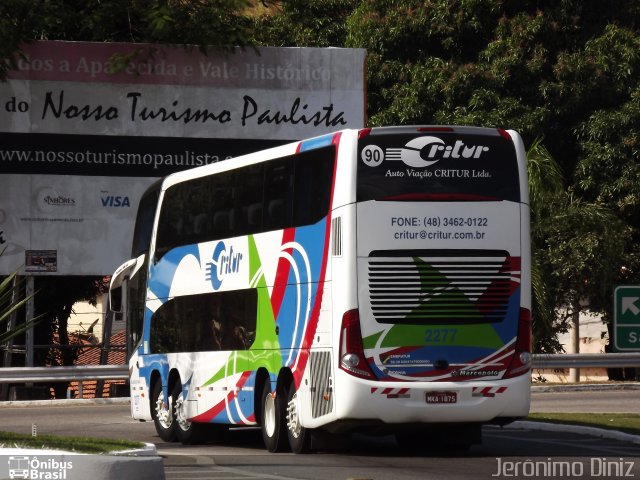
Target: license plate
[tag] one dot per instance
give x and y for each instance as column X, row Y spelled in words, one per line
column 442, row 397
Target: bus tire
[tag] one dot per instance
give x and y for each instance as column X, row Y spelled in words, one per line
column 273, row 425
column 187, row 432
column 161, row 412
column 299, row 437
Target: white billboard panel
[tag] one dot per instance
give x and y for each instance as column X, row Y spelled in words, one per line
column 86, row 220
column 79, row 146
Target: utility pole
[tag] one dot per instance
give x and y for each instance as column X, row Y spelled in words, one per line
column 574, row 373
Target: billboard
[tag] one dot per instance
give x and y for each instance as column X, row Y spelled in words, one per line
column 79, row 145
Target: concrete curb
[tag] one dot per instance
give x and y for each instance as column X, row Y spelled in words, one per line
column 149, row 450
column 109, row 467
column 64, row 401
column 591, row 387
column 577, row 429
column 577, row 387
column 594, row 387
column 141, row 464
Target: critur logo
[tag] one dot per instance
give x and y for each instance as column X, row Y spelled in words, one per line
column 222, row 263
column 421, row 152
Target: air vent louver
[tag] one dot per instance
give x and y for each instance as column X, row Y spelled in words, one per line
column 442, row 289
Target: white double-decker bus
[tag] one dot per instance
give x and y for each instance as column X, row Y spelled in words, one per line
column 373, row 280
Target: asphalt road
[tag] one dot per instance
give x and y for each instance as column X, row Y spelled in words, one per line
column 241, row 455
column 590, row 401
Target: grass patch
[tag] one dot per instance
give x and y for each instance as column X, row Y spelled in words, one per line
column 69, row 444
column 624, row 422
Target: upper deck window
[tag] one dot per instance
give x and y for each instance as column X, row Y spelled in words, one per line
column 292, row 191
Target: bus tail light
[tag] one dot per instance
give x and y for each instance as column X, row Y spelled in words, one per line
column 352, row 358
column 521, row 362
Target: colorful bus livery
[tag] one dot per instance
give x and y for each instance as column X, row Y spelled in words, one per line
column 373, row 280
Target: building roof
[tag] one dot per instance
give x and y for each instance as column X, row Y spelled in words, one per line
column 91, row 356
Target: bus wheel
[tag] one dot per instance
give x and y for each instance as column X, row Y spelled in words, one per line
column 299, row 437
column 186, row 431
column 273, row 427
column 161, row 412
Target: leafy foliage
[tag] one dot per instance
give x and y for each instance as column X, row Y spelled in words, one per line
column 67, row 444
column 582, row 253
column 11, row 302
column 302, row 23
column 608, row 171
column 567, row 71
column 10, row 305
column 202, row 23
column 545, row 181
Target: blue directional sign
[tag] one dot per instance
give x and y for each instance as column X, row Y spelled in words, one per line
column 626, row 318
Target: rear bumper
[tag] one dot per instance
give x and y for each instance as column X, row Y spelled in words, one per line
column 406, row 402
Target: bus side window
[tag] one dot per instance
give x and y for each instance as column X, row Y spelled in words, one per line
column 144, row 222
column 248, row 199
column 220, row 208
column 312, row 189
column 205, row 322
column 278, row 201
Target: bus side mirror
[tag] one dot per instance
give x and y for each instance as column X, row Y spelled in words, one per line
column 115, row 286
column 115, row 299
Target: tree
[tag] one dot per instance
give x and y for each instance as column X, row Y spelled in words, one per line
column 546, row 182
column 566, row 71
column 293, row 23
column 11, row 304
column 54, row 304
column 203, row 23
column 582, row 259
column 608, row 171
column 574, row 257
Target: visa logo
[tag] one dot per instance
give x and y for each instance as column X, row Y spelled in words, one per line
column 115, row 201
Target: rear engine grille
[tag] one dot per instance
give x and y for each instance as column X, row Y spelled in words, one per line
column 442, row 289
column 321, row 384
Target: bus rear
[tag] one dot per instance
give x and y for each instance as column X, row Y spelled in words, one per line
column 443, row 284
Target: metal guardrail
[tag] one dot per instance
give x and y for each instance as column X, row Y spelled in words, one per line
column 64, row 374
column 121, row 372
column 586, row 360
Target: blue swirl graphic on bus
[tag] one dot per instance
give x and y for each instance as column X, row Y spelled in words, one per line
column 222, row 263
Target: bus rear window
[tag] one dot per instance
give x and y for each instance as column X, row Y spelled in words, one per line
column 437, row 166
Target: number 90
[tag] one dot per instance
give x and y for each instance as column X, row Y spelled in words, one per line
column 372, row 155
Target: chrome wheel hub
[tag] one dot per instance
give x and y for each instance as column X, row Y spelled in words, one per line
column 293, row 418
column 163, row 411
column 270, row 414
column 180, row 415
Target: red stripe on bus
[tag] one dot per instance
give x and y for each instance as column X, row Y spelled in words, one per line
column 282, row 274
column 309, row 334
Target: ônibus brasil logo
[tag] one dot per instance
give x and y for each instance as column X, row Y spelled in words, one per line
column 421, row 152
column 222, row 263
